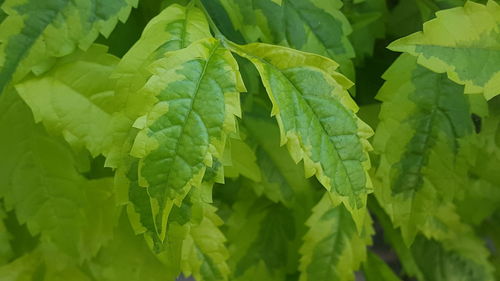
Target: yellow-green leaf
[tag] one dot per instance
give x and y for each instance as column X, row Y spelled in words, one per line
column 464, row 42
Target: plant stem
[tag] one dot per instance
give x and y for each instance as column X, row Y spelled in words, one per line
column 218, row 34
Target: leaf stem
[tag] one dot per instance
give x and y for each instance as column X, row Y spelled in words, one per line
column 218, row 34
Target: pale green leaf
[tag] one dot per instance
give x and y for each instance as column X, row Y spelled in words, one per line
column 333, row 249
column 197, row 91
column 76, row 99
column 464, row 43
column 204, row 253
column 35, row 32
column 317, row 119
column 242, row 161
column 40, row 181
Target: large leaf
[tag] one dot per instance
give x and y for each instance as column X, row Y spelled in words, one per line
column 35, row 32
column 333, row 249
column 40, row 180
column 422, row 136
column 315, row 26
column 174, row 28
column 463, row 42
column 317, row 119
column 198, row 97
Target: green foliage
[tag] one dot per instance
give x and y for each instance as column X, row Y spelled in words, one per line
column 129, row 154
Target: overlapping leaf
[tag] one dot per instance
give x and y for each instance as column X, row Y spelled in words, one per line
column 204, row 254
column 5, row 236
column 40, row 180
column 481, row 192
column 262, row 237
column 464, row 43
column 281, row 179
column 315, row 26
column 34, row 32
column 127, row 257
column 425, row 122
column 333, row 249
column 176, row 27
column 367, row 20
column 463, row 257
column 317, row 119
column 375, row 269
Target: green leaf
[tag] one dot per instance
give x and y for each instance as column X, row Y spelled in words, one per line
column 175, row 28
column 35, row 32
column 281, row 179
column 198, row 97
column 5, row 237
column 462, row 257
column 127, row 257
column 21, row 269
column 375, row 269
column 315, row 26
column 40, row 181
column 317, row 119
column 333, row 249
column 261, row 236
column 422, row 139
column 462, row 42
column 481, row 192
column 367, row 19
column 448, row 264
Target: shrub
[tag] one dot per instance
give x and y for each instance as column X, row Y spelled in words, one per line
column 224, row 140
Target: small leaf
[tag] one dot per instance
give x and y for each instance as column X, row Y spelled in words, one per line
column 333, row 249
column 375, row 269
column 462, row 42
